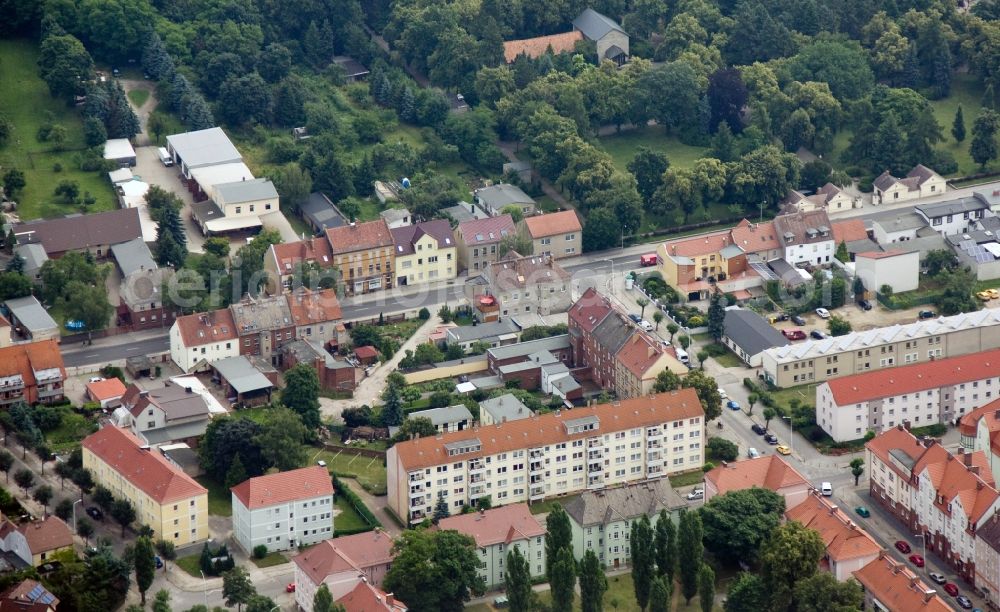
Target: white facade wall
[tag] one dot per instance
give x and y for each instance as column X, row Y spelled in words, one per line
column 815, row 253
column 283, row 526
column 186, row 357
column 901, row 272
column 559, row 468
column 958, row 223
column 951, row 527
column 493, row 559
column 896, row 489
column 889, row 236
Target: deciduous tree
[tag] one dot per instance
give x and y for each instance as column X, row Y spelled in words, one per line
column 434, row 570
column 790, row 555
column 237, row 588
column 301, row 394
column 737, row 523
column 145, row 565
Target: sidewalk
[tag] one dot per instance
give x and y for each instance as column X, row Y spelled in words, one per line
column 377, row 505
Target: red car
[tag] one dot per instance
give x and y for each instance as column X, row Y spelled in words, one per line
column 648, row 260
column 290, row 588
column 917, row 560
column 903, row 547
column 951, row 589
column 794, row 334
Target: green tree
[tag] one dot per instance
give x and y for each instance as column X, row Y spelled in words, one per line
column 822, row 592
column 790, row 555
column 84, row 529
column 301, row 394
column 441, row 510
column 642, row 303
column 563, row 581
column 672, row 328
column 838, row 326
column 323, row 599
column 721, row 449
column 171, row 242
column 228, row 438
column 434, row 570
column 43, row 495
column 392, row 406
column 769, row 414
column 13, row 181
column 24, row 479
column 236, row 473
column 593, row 583
column 983, row 147
column 737, row 523
column 64, row 64
column 64, row 509
column 143, row 559
column 752, row 399
column 243, row 99
column 123, row 512
column 87, row 304
column 648, row 166
column 842, row 255
column 746, row 594
column 167, row 551
column 643, row 554
column 857, row 469
column 293, row 184
column 161, row 603
column 690, row 551
column 518, row 580
column 708, row 392
column 281, row 438
column 558, row 535
column 237, row 588
column 659, row 595
column 706, row 587
column 665, row 545
column 958, row 126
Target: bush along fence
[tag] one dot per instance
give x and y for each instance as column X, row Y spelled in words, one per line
column 359, row 506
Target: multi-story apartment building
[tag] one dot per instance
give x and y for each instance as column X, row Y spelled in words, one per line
column 557, row 234
column 424, row 252
column 263, row 324
column 639, row 361
column 806, row 237
column 988, row 559
column 173, row 505
column 814, row 361
column 342, row 563
column 553, row 454
column 601, row 520
column 478, row 241
column 891, row 586
column 31, row 373
column 496, row 532
column 938, row 391
column 169, row 414
column 848, row 547
column 282, row 261
column 597, row 331
column 284, row 510
column 979, row 430
column 890, row 458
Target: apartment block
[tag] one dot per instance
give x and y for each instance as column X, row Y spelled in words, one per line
column 848, row 547
column 938, row 391
column 547, row 455
column 172, row 503
column 283, row 511
column 891, row 586
column 814, row 361
column 31, row 373
column 342, row 563
column 557, row 234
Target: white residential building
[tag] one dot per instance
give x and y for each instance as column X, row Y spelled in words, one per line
column 925, row 393
column 498, row 530
column 553, row 454
column 449, row 418
column 955, row 216
column 284, row 510
column 899, row 270
column 342, row 563
column 806, row 237
column 203, row 337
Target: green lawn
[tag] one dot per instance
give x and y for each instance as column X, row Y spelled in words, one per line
column 73, row 428
column 688, row 479
column 24, row 99
column 191, row 564
column 220, row 500
column 621, row 147
column 347, row 518
column 368, row 471
column 620, row 596
column 270, row 560
column 547, row 204
column 967, row 90
column 138, row 97
column 728, row 360
column 548, row 504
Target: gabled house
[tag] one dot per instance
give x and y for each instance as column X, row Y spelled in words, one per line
column 495, row 198
column 367, row 598
column 28, row 596
column 204, row 337
column 747, row 334
column 363, row 255
column 892, row 586
column 557, row 234
column 768, row 472
column 169, row 414
column 283, row 510
column 283, row 260
column 478, row 241
column 36, row 542
column 958, row 216
column 448, row 418
column 32, row 373
column 806, row 237
column 829, row 197
column 848, row 547
column 93, row 233
column 609, row 37
column 639, row 361
column 920, row 182
column 424, row 252
column 342, row 563
column 527, row 284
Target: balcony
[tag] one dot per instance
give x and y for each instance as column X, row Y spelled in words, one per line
column 477, row 490
column 654, row 470
column 416, row 501
column 650, row 445
column 416, row 492
column 595, row 466
column 536, row 479
column 416, row 477
column 653, row 456
column 477, row 467
column 536, row 467
column 477, row 478
column 595, row 442
column 536, row 492
column 416, row 517
column 654, row 434
column 535, row 453
column 595, row 482
column 595, row 455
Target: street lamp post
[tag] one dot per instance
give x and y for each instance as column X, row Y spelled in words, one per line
column 204, row 582
column 79, row 501
column 791, row 433
column 923, row 544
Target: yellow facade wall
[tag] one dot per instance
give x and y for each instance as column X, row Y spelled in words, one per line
column 428, row 263
column 471, row 366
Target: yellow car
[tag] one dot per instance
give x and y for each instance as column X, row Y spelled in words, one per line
column 988, row 294
column 784, row 450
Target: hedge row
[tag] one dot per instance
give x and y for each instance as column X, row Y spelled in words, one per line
column 359, row 506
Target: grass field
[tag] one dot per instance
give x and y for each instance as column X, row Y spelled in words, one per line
column 138, row 96
column 366, row 470
column 687, row 479
column 25, row 99
column 220, row 501
column 191, row 564
column 270, row 560
column 347, row 518
column 621, row 147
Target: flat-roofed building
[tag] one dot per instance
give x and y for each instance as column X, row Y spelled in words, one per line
column 553, row 454
column 502, row 409
column 449, row 418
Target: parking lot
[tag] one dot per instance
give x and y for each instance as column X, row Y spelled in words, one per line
column 150, row 170
column 862, row 320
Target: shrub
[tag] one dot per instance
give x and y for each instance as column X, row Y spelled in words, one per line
column 260, row 551
column 708, row 467
column 424, row 314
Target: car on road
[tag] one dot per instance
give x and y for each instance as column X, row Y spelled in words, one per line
column 817, row 335
column 823, row 313
column 649, row 259
column 635, row 318
column 826, row 489
column 290, row 587
column 159, row 562
column 733, row 405
column 988, row 294
column 951, row 589
column 902, row 547
column 758, row 429
column 917, row 560
column 864, row 305
column 937, row 578
column 926, row 314
column 95, row 379
column 862, row 512
column 95, row 513
column 964, row 601
column 752, row 453
column 798, row 320
column 771, row 439
column 698, row 493
column 783, row 450
column 646, row 325
column 722, row 393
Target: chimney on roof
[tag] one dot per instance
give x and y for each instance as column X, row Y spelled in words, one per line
column 975, row 470
column 896, row 568
column 961, row 450
column 967, row 457
column 929, row 594
column 833, row 509
column 906, row 424
column 913, row 581
column 899, row 427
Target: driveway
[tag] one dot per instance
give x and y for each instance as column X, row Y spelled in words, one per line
column 151, row 170
column 377, row 504
column 143, row 112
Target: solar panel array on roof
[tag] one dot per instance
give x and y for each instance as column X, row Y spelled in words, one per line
column 764, row 272
column 40, row 595
column 976, row 251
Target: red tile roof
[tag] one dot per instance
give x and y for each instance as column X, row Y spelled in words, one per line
column 955, row 477
column 106, row 389
column 26, row 359
column 536, row 47
column 485, row 231
column 505, row 524
column 900, row 439
column 990, row 413
column 309, row 307
column 284, row 487
column 843, row 538
column 147, row 470
column 550, row 428
column 367, row 598
column 590, row 310
column 897, row 588
column 639, row 354
column 207, row 327
column 551, row 224
column 873, row 385
column 287, row 254
column 347, row 553
column 881, row 254
column 359, row 237
column 699, row 245
column 366, row 352
column 50, row 533
column 849, row 230
column 755, row 237
column 768, row 472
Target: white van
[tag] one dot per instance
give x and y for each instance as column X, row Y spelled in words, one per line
column 165, row 158
column 682, row 355
column 826, row 489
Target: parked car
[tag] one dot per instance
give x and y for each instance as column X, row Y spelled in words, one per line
column 902, row 547
column 758, row 429
column 290, row 587
column 722, row 393
column 771, row 439
column 733, row 405
column 937, row 578
column 917, row 560
column 95, row 513
column 753, row 453
column 864, row 305
column 777, row 317
column 783, row 450
column 635, row 318
column 798, row 320
column 926, row 314
column 826, row 489
column 794, row 334
column 159, row 562
column 646, row 325
column 862, row 512
column 964, row 601
column 817, row 335
column 823, row 313
column 649, row 259
column 698, row 493
column 951, row 589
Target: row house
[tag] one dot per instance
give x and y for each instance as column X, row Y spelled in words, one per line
column 890, row 586
column 940, row 495
column 639, row 361
column 425, row 252
column 938, row 391
column 32, row 373
column 556, row 235
column 848, row 547
column 522, row 285
column 478, row 241
column 920, row 182
column 342, row 564
column 559, row 453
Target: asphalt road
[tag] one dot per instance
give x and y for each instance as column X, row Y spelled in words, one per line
column 79, row 355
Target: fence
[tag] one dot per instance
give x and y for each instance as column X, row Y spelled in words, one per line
column 362, row 452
